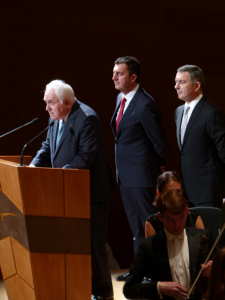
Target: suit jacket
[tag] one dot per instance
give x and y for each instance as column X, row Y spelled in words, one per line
column 202, row 155
column 141, row 143
column 152, row 260
column 82, row 146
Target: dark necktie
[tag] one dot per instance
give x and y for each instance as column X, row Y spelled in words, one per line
column 60, row 133
column 120, row 112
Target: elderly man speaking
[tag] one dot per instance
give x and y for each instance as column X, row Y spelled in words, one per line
column 75, row 140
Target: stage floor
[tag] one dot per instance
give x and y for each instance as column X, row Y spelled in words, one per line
column 3, row 295
column 117, row 286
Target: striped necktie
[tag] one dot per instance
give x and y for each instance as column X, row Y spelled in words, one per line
column 184, row 124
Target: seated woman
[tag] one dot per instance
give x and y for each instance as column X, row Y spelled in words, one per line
column 165, row 182
column 216, row 283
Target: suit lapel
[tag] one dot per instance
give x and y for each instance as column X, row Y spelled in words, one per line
column 113, row 121
column 129, row 109
column 160, row 247
column 178, row 121
column 68, row 125
column 54, row 136
column 194, row 242
column 193, row 118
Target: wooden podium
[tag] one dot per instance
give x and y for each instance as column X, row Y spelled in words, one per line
column 45, row 249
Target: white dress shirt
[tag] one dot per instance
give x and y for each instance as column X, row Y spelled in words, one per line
column 178, row 252
column 192, row 105
column 128, row 97
column 60, row 124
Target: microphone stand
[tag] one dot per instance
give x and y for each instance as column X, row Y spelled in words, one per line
column 33, row 121
column 21, row 158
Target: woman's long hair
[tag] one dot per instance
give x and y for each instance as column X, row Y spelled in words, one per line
column 216, row 287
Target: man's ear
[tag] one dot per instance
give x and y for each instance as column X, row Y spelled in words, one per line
column 159, row 216
column 133, row 77
column 197, row 86
column 67, row 103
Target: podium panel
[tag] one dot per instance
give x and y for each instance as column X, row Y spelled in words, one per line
column 45, row 232
column 17, row 289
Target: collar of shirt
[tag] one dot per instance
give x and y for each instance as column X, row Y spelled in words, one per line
column 60, row 124
column 192, row 105
column 129, row 97
column 171, row 236
column 65, row 119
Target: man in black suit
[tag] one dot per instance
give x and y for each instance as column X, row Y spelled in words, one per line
column 201, row 140
column 171, row 258
column 141, row 145
column 81, row 145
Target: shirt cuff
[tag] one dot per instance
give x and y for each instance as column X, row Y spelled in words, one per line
column 160, row 294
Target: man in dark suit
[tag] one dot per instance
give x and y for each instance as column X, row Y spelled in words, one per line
column 171, row 258
column 75, row 140
column 141, row 145
column 201, row 140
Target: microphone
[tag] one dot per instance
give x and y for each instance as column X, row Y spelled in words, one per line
column 33, row 121
column 21, row 158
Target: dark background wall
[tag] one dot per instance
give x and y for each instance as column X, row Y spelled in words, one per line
column 78, row 41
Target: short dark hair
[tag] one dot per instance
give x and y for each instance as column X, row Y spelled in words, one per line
column 172, row 201
column 133, row 65
column 195, row 73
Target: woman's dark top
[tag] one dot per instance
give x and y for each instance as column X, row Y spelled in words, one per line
column 158, row 225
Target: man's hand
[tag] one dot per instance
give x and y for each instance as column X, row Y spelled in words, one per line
column 172, row 289
column 207, row 269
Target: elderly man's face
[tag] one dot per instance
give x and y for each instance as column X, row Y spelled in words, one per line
column 186, row 91
column 55, row 109
column 172, row 222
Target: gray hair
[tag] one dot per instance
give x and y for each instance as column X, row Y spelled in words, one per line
column 195, row 73
column 62, row 90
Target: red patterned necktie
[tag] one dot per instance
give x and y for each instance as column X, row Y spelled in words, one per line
column 120, row 112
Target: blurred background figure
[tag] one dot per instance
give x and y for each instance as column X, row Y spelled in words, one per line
column 169, row 181
column 216, row 284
